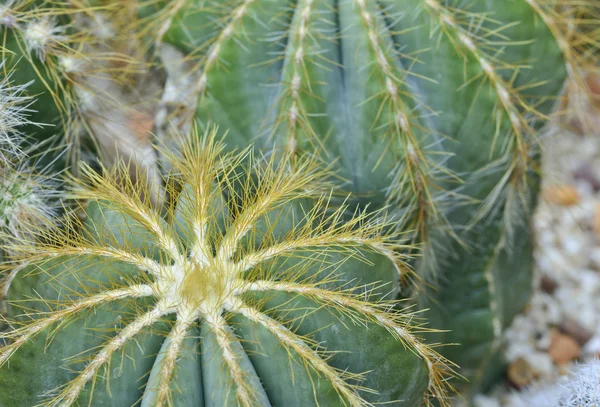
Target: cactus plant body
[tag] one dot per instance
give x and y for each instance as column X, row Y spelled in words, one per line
column 269, row 302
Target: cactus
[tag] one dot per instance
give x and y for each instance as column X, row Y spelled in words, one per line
column 26, row 188
column 430, row 107
column 583, row 389
column 25, row 202
column 13, row 115
column 246, row 292
column 30, row 41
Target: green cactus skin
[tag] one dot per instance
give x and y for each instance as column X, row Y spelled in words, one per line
column 269, row 302
column 430, row 106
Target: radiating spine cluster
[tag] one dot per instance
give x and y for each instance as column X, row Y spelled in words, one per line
column 223, row 275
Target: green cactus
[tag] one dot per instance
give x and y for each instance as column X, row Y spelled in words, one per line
column 29, row 40
column 14, row 115
column 431, row 107
column 25, row 202
column 26, row 189
column 244, row 293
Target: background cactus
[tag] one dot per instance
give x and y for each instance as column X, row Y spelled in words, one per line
column 27, row 188
column 267, row 302
column 432, row 107
column 82, row 64
column 32, row 39
column 13, row 116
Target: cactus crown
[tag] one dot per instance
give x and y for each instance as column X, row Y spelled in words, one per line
column 211, row 262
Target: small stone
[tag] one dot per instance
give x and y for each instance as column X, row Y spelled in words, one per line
column 592, row 347
column 563, row 370
column 565, row 195
column 520, row 373
column 574, row 245
column 586, row 173
column 543, row 339
column 548, row 284
column 593, row 83
column 540, row 363
column 596, row 224
column 483, row 401
column 563, row 348
column 574, row 329
column 595, row 258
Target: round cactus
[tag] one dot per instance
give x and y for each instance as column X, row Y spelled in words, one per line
column 246, row 292
column 24, row 202
column 430, row 107
column 30, row 39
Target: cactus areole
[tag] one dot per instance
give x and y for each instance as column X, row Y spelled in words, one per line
column 265, row 302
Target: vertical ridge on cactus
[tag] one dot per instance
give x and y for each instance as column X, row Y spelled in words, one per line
column 220, row 278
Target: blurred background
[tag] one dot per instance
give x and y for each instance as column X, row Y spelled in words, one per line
column 554, row 345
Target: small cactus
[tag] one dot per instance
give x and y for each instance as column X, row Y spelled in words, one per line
column 25, row 193
column 583, row 388
column 80, row 62
column 244, row 293
column 25, row 203
column 14, row 114
column 31, row 38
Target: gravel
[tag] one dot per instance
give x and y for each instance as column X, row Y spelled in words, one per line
column 554, row 344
